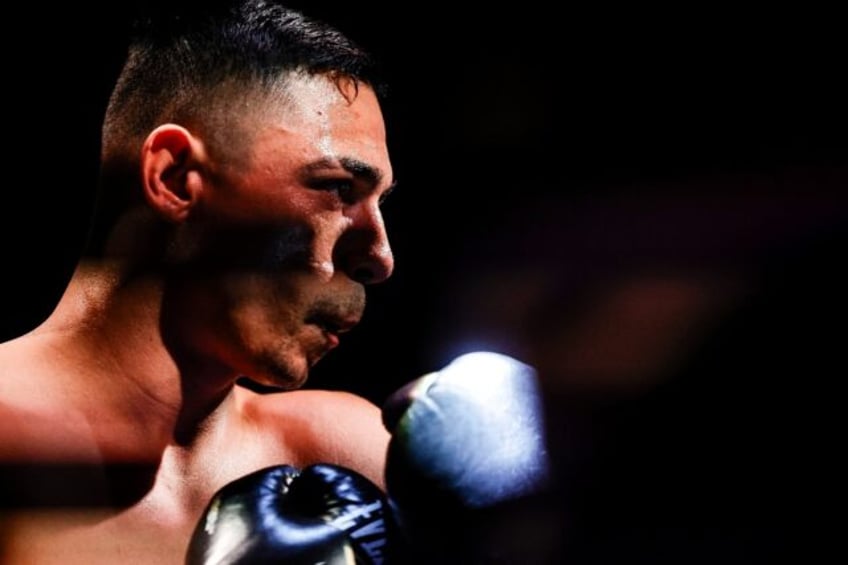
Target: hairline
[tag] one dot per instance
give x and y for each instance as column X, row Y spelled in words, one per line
column 219, row 123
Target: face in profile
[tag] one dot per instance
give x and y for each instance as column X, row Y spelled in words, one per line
column 286, row 238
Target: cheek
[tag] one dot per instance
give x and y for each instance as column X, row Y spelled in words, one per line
column 291, row 252
column 259, row 296
column 249, row 249
column 261, row 316
column 324, row 246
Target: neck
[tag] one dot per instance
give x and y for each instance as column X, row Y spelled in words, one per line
column 109, row 328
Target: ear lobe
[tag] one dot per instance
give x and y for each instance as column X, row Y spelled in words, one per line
column 171, row 179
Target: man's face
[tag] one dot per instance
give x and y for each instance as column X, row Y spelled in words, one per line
column 282, row 244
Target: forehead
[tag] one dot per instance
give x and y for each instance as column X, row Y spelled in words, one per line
column 316, row 117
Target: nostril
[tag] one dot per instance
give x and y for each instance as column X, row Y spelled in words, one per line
column 365, row 256
column 363, row 275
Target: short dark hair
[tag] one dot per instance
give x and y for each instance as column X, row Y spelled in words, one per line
column 203, row 64
column 188, row 60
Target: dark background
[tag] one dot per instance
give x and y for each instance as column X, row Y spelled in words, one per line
column 532, row 141
column 493, row 116
column 604, row 193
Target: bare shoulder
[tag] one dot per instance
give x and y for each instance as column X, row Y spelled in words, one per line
column 23, row 428
column 34, row 435
column 321, row 405
column 321, row 426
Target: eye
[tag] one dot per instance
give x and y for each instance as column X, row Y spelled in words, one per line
column 344, row 187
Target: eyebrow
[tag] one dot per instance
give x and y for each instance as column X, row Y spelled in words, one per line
column 359, row 169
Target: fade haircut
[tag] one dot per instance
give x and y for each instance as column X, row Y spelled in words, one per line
column 200, row 64
column 204, row 64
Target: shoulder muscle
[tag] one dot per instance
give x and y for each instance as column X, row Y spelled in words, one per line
column 322, row 427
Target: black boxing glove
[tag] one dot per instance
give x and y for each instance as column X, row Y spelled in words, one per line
column 322, row 514
column 467, row 461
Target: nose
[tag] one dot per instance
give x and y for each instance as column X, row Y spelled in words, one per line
column 364, row 252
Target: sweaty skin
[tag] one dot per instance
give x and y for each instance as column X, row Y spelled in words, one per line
column 123, row 400
column 248, row 432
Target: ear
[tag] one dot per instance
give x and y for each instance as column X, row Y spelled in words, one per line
column 170, row 170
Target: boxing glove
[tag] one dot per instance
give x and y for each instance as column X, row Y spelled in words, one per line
column 467, row 461
column 322, row 514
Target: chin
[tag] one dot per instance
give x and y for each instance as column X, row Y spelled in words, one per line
column 257, row 387
column 275, row 379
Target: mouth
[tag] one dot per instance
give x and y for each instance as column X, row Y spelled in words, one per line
column 332, row 326
column 335, row 313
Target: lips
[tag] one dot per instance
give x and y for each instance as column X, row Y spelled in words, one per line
column 336, row 312
column 332, row 325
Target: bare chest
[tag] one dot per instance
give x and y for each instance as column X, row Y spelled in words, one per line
column 125, row 513
column 74, row 536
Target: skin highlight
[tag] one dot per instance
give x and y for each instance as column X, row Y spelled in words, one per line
column 220, row 272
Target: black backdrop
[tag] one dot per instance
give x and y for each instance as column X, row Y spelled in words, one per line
column 491, row 112
column 535, row 148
